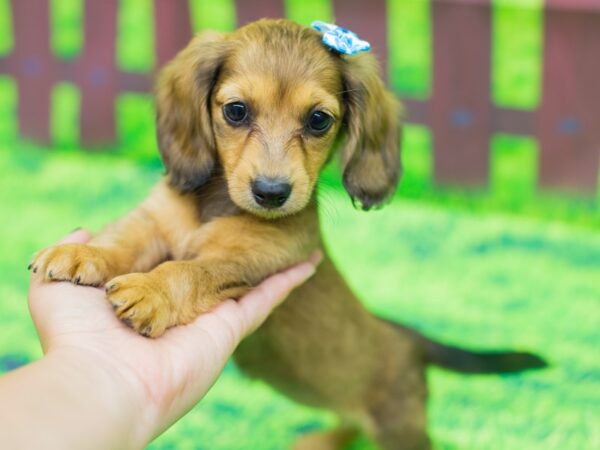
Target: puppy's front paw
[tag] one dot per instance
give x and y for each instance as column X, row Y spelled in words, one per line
column 140, row 302
column 79, row 263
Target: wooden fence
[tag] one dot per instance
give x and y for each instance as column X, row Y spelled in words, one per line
column 459, row 112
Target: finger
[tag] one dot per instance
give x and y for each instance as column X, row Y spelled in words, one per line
column 316, row 257
column 77, row 236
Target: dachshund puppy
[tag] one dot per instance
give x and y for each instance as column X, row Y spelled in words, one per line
column 245, row 123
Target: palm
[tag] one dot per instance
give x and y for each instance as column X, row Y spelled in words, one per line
column 171, row 372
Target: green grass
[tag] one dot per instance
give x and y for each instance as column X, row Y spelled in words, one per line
column 478, row 279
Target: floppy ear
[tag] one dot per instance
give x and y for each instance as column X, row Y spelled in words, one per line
column 370, row 156
column 184, row 125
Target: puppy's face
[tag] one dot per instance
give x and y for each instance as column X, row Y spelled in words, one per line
column 266, row 104
column 274, row 125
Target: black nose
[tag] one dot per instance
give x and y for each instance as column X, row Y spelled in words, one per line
column 270, row 193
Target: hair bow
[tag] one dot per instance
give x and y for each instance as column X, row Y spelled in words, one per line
column 340, row 39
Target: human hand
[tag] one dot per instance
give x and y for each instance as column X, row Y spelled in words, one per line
column 152, row 382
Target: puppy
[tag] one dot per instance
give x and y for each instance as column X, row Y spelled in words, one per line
column 245, row 123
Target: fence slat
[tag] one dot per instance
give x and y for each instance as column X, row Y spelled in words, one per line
column 96, row 73
column 32, row 66
column 582, row 5
column 570, row 111
column 460, row 105
column 248, row 11
column 368, row 20
column 173, row 28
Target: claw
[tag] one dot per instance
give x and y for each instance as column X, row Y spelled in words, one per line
column 29, row 266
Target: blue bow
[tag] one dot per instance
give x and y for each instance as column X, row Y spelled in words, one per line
column 340, row 39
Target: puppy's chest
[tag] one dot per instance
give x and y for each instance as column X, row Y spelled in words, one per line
column 190, row 219
column 213, row 201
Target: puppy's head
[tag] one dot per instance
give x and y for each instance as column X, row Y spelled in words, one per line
column 267, row 104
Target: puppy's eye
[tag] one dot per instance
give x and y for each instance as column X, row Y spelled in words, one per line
column 235, row 112
column 319, row 122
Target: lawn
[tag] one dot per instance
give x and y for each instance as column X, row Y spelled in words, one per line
column 502, row 266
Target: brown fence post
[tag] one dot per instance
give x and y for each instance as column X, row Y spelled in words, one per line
column 32, row 67
column 368, row 20
column 569, row 115
column 96, row 72
column 173, row 28
column 248, row 11
column 460, row 106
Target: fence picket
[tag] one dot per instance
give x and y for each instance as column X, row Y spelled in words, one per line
column 368, row 20
column 173, row 28
column 248, row 11
column 570, row 110
column 32, row 64
column 96, row 72
column 460, row 104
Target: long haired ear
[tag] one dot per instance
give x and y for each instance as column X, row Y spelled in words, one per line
column 370, row 156
column 184, row 125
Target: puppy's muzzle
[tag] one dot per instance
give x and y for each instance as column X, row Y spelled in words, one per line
column 271, row 193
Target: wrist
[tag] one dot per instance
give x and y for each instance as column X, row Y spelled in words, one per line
column 103, row 399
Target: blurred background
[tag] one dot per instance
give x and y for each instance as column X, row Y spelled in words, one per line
column 492, row 240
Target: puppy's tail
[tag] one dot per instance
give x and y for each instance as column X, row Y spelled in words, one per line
column 467, row 361
column 474, row 362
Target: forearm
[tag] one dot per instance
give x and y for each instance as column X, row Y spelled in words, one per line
column 64, row 401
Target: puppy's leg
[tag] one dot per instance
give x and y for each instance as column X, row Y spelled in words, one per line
column 174, row 293
column 235, row 254
column 132, row 243
column 400, row 418
column 336, row 439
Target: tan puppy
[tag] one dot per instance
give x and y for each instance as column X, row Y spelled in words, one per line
column 246, row 121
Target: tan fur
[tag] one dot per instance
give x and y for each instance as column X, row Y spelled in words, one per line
column 200, row 237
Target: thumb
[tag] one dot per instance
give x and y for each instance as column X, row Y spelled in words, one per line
column 77, row 236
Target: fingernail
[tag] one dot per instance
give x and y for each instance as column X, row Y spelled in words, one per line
column 316, row 257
